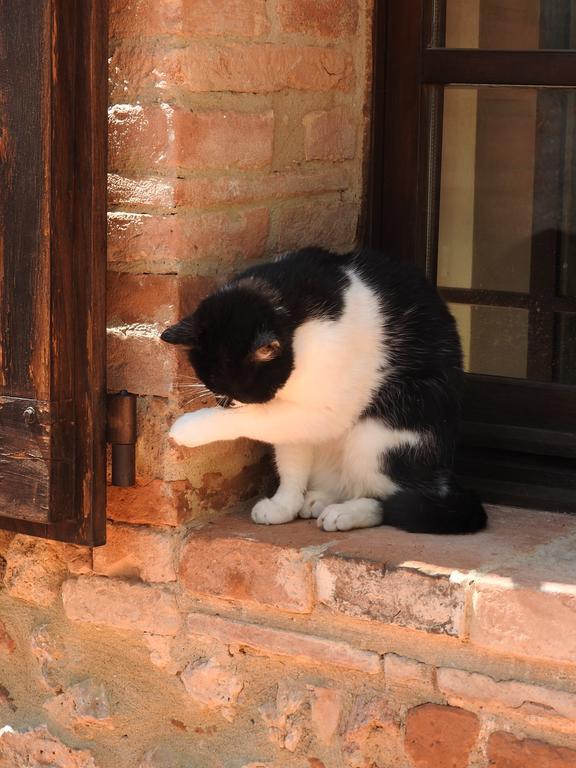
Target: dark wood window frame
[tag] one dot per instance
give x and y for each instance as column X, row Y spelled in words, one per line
column 53, row 86
column 519, row 436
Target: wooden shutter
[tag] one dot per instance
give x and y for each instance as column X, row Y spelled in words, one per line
column 52, row 267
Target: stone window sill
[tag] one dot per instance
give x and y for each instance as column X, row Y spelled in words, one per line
column 510, row 589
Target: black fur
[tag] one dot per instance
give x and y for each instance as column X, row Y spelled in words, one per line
column 420, row 393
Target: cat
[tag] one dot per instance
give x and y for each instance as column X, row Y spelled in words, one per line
column 351, row 366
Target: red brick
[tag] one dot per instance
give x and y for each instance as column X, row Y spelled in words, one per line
column 136, row 552
column 399, row 670
column 149, row 298
column 34, row 570
column 134, row 298
column 85, row 703
column 372, row 735
column 141, row 17
column 166, row 137
column 121, row 605
column 204, row 18
column 330, row 135
column 331, row 225
column 7, row 644
column 404, row 596
column 247, row 571
column 325, row 712
column 222, row 487
column 322, row 18
column 39, row 748
column 283, row 715
column 183, row 243
column 155, row 193
column 145, row 194
column 153, row 503
column 138, row 361
column 160, row 648
column 205, row 68
column 78, row 559
column 506, row 751
column 297, row 647
column 524, row 621
column 241, row 18
column 213, row 685
column 440, row 737
column 528, row 699
column 298, row 707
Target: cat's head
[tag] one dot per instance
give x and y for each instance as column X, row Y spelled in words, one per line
column 239, row 341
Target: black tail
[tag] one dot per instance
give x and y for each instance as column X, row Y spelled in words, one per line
column 460, row 512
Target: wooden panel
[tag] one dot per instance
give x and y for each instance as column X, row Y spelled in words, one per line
column 25, row 459
column 399, row 133
column 520, row 439
column 24, row 203
column 505, row 299
column 53, row 91
column 88, row 260
column 504, row 477
column 531, row 404
column 445, row 67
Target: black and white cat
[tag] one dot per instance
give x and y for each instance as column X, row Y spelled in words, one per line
column 351, row 367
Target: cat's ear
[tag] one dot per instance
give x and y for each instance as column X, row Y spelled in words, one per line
column 266, row 347
column 183, row 332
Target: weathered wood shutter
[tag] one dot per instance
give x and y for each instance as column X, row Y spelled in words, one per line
column 52, row 267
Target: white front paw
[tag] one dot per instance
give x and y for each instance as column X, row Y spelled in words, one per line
column 314, row 504
column 270, row 512
column 197, row 428
column 356, row 513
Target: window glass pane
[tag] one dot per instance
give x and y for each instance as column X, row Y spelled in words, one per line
column 494, row 339
column 487, row 188
column 509, row 24
column 507, row 227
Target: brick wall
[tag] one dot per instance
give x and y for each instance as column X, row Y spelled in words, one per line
column 236, row 131
column 195, row 640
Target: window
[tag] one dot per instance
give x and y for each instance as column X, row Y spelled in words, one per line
column 52, row 268
column 475, row 179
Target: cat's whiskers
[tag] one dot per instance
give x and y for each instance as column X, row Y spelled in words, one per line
column 198, row 397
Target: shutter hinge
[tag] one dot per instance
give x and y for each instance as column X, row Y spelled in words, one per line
column 121, row 434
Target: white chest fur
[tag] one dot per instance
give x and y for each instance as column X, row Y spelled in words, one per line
column 340, row 363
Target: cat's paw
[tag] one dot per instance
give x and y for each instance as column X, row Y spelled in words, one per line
column 314, row 503
column 357, row 513
column 197, row 428
column 270, row 512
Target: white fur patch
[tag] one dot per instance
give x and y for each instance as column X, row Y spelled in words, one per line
column 339, row 364
column 351, row 467
column 314, row 503
column 356, row 513
column 270, row 512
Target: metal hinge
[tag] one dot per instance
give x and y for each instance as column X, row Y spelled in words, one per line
column 121, row 434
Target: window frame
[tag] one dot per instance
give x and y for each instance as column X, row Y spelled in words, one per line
column 60, row 426
column 512, row 423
